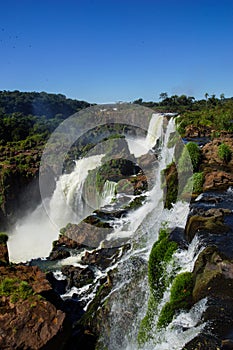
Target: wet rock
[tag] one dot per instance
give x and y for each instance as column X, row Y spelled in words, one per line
column 177, row 235
column 213, row 275
column 59, row 286
column 77, row 276
column 203, row 342
column 210, row 224
column 67, row 242
column 86, row 234
column 104, row 257
column 59, row 253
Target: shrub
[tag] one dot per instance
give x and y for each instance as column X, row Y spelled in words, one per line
column 195, row 154
column 198, row 180
column 224, row 152
column 171, row 185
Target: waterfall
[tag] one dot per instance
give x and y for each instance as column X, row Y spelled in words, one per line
column 140, row 146
column 155, row 130
column 108, row 193
column 33, row 235
column 142, row 226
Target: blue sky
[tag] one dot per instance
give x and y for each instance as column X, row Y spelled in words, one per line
column 117, row 50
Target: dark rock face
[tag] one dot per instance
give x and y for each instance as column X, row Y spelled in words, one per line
column 209, row 223
column 103, row 258
column 4, row 257
column 59, row 253
column 78, row 277
column 213, row 275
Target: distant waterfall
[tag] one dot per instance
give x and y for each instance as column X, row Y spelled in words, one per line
column 155, row 130
column 108, row 193
column 140, row 146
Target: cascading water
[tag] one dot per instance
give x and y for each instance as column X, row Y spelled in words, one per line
column 33, row 235
column 108, row 193
column 143, row 226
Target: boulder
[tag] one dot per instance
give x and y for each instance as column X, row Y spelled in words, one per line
column 218, row 180
column 213, row 275
column 77, row 276
column 28, row 320
column 104, row 257
column 210, row 224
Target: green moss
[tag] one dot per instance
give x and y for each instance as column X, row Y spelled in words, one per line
column 181, row 298
column 160, row 256
column 190, row 157
column 136, row 203
column 15, row 289
column 3, row 237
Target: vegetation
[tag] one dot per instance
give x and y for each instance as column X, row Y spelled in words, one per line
column 191, row 152
column 159, row 279
column 181, row 298
column 224, row 152
column 195, row 184
column 15, row 289
column 3, row 238
column 170, row 185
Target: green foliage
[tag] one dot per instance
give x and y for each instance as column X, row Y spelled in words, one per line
column 136, row 203
column 195, row 183
column 224, row 152
column 198, row 180
column 215, row 114
column 181, row 298
column 3, row 237
column 195, row 154
column 15, row 289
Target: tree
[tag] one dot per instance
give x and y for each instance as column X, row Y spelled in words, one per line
column 206, row 97
column 163, row 96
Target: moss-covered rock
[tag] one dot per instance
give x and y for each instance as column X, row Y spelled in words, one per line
column 213, row 275
column 211, row 224
column 160, row 256
column 181, row 298
column 171, row 185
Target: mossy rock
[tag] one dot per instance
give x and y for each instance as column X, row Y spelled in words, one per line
column 170, row 186
column 3, row 238
column 180, row 299
column 211, row 224
column 213, row 275
column 160, row 256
